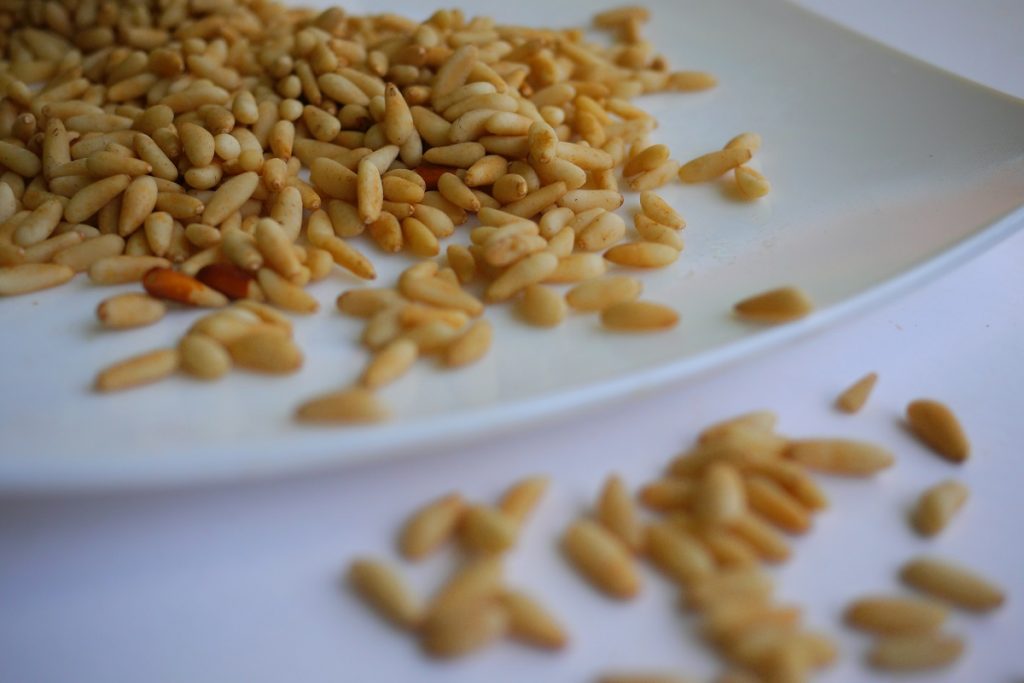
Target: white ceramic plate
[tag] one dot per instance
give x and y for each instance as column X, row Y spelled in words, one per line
column 885, row 171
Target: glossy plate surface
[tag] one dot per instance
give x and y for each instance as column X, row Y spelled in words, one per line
column 886, row 172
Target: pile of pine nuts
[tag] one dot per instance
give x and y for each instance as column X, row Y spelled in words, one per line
column 162, row 143
column 724, row 509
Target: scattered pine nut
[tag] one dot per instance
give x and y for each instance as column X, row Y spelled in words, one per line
column 266, row 350
column 531, row 270
column 638, row 316
column 487, row 529
column 856, row 395
column 386, row 592
column 760, row 420
column 918, row 652
column 431, row 526
column 751, row 141
column 599, row 294
column 617, row 512
column 659, row 211
column 477, row 580
column 667, row 494
column 144, row 369
column 766, row 541
column 714, row 164
column 936, row 425
column 958, row 585
column 390, row 363
column 937, row 506
column 203, row 357
column 795, row 480
column 751, row 183
column 602, row 558
column 130, row 310
column 522, row 497
column 32, row 277
column 775, row 306
column 542, row 306
column 840, row 456
column 773, row 503
column 122, row 269
column 712, row 588
column 164, row 283
column 349, row 406
column 81, row 256
column 720, row 497
column 471, row 346
column 642, row 255
column 531, row 623
column 887, row 615
column 678, row 554
column 465, row 629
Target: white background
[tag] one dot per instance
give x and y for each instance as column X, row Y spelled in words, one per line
column 241, row 582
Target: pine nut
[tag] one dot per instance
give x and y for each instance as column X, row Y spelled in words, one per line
column 773, row 503
column 284, row 294
column 638, row 316
column 840, row 456
column 936, row 425
column 720, row 497
column 775, row 306
column 646, row 160
column 130, row 310
column 32, row 277
column 602, row 559
column 654, row 178
column 93, row 197
column 390, row 363
column 577, row 268
column 80, row 257
column 937, row 506
column 765, row 540
column 266, row 350
column 751, row 183
column 487, row 530
column 477, row 580
column 616, row 511
column 230, row 280
column 522, row 497
column 542, row 306
column 597, row 295
column 463, row 630
column 678, row 554
column 659, row 211
column 751, row 141
column 737, row 584
column 531, row 623
column 138, row 370
column 916, row 652
column 203, row 356
column 958, row 585
column 439, row 293
column 385, row 590
column 895, row 615
column 856, row 395
column 164, row 283
column 118, row 270
column 344, row 407
column 531, row 270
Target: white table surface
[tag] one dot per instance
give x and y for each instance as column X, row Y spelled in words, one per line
column 241, row 582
